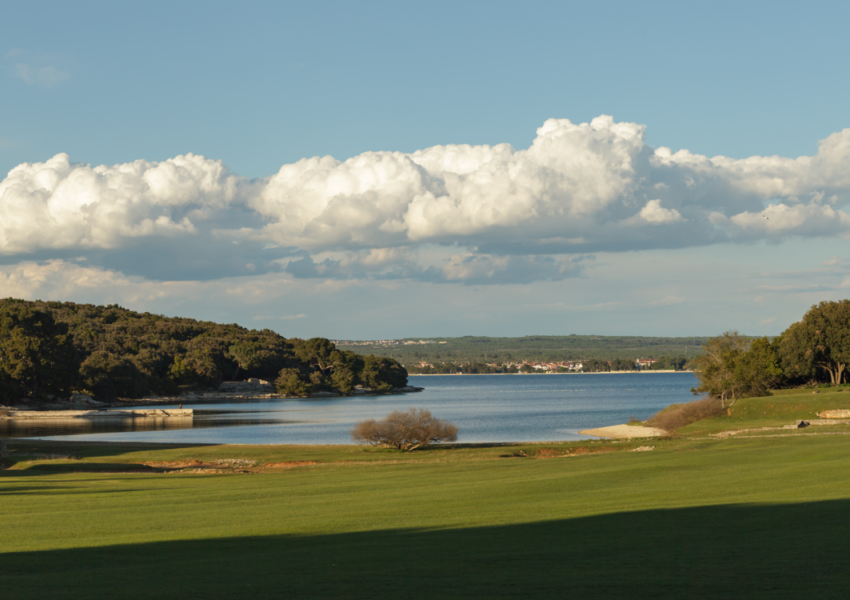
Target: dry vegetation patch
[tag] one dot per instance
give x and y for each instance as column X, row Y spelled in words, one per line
column 678, row 415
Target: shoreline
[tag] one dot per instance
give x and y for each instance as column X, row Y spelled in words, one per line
column 549, row 373
column 196, row 398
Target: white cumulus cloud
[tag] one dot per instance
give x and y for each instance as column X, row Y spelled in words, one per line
column 58, row 205
column 579, row 188
column 653, row 212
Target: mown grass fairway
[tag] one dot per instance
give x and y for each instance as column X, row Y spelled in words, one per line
column 740, row 518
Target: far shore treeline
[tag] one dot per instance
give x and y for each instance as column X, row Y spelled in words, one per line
column 663, row 363
column 54, row 349
column 595, row 351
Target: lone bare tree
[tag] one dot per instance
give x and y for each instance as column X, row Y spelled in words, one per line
column 404, row 430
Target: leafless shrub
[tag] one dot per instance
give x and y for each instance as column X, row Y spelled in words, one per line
column 679, row 415
column 404, row 430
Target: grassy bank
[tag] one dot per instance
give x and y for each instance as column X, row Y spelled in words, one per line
column 782, row 408
column 741, row 518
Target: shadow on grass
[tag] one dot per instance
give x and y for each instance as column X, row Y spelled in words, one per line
column 69, row 468
column 27, row 449
column 741, row 551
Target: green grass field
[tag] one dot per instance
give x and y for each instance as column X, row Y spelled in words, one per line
column 782, row 408
column 697, row 517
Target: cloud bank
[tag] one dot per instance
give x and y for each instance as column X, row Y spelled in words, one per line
column 502, row 215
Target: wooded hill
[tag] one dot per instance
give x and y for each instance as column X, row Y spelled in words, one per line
column 57, row 348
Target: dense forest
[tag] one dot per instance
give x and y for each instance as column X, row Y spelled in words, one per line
column 53, row 349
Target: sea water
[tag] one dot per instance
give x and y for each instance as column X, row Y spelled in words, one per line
column 486, row 408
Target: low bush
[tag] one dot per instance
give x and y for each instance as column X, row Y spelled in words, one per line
column 404, row 430
column 678, row 415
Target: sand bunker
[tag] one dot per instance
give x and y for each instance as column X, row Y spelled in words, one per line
column 621, row 432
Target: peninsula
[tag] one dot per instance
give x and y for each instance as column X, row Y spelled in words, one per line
column 55, row 353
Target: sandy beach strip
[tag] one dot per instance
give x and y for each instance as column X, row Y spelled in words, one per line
column 621, row 432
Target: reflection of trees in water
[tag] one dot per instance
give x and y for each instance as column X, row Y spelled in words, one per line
column 48, row 427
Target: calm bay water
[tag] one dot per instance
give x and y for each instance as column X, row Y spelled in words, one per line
column 486, row 408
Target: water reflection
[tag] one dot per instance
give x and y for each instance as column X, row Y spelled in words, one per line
column 53, row 427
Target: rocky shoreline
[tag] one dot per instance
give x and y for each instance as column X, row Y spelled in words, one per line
column 229, row 392
column 44, row 415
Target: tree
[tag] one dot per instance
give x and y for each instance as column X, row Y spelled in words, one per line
column 734, row 366
column 320, row 354
column 404, row 430
column 590, row 365
column 108, row 376
column 627, row 364
column 37, row 357
column 820, row 341
column 179, row 370
column 292, row 383
column 382, row 373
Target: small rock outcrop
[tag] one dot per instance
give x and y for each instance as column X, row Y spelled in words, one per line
column 84, row 400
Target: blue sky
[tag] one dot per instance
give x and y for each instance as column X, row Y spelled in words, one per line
column 145, row 146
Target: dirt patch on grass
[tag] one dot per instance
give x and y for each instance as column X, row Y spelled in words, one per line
column 233, row 463
column 544, row 453
column 548, row 453
column 565, row 452
column 293, row 463
column 583, row 450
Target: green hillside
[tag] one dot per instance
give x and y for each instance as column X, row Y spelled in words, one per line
column 52, row 349
column 531, row 348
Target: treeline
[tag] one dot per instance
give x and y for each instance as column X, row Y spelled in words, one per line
column 52, row 349
column 535, row 348
column 471, row 368
column 814, row 351
column 665, row 363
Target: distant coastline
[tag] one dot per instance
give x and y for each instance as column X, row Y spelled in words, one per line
column 538, row 374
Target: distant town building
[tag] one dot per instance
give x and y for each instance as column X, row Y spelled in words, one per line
column 645, row 363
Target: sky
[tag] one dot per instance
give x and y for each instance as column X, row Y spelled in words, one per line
column 383, row 170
